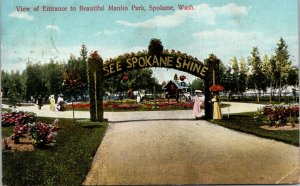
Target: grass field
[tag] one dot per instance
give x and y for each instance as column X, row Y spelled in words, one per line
column 66, row 163
column 245, row 122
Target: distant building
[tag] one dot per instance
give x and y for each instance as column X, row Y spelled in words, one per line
column 174, row 89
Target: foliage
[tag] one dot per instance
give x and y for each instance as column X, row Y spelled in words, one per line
column 131, row 105
column 198, row 84
column 72, row 83
column 182, row 77
column 268, row 70
column 95, row 76
column 47, row 78
column 155, row 47
column 53, row 75
column 228, row 81
column 135, row 79
column 235, row 75
column 75, row 147
column 34, row 80
column 42, row 78
column 293, row 78
column 243, row 76
column 175, row 77
column 25, row 122
column 19, row 131
column 257, row 75
column 245, row 122
column 282, row 61
column 17, row 118
column 13, row 87
column 277, row 115
column 213, row 63
column 76, row 71
column 42, row 133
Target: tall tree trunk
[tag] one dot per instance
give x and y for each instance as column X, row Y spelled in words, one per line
column 280, row 88
column 257, row 94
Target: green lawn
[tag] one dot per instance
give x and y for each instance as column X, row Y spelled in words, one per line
column 263, row 100
column 245, row 122
column 66, row 163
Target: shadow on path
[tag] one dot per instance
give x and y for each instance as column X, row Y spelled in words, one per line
column 182, row 119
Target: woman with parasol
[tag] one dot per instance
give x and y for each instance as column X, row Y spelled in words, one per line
column 216, row 99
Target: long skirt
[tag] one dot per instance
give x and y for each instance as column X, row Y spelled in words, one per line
column 217, row 111
column 196, row 110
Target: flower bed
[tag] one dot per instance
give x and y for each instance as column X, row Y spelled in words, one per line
column 17, row 118
column 26, row 126
column 40, row 134
column 134, row 106
column 278, row 115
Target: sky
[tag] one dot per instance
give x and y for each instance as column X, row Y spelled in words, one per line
column 226, row 28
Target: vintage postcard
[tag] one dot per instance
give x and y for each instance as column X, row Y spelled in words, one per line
column 161, row 92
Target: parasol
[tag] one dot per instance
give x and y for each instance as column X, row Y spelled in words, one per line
column 216, row 88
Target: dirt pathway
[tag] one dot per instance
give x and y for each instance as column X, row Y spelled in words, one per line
column 189, row 152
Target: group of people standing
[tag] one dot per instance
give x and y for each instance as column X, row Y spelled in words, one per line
column 60, row 103
column 53, row 107
column 198, row 108
column 199, row 105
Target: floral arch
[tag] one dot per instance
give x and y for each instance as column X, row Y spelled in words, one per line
column 167, row 59
column 98, row 71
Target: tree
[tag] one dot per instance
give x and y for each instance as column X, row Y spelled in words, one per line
column 34, row 80
column 163, row 83
column 72, row 85
column 235, row 75
column 155, row 47
column 198, row 84
column 268, row 72
column 5, row 83
column 283, row 63
column 83, row 67
column 221, row 74
column 175, row 77
column 53, row 75
column 135, row 80
column 243, row 77
column 228, row 82
column 79, row 67
column 14, row 88
column 293, row 78
column 256, row 70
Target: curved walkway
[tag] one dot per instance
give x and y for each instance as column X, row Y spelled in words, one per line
column 169, row 147
column 189, row 152
column 137, row 115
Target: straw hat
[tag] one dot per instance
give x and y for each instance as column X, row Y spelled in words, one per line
column 198, row 91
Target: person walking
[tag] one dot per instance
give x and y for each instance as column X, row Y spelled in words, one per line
column 198, row 101
column 52, row 103
column 40, row 102
column 60, row 103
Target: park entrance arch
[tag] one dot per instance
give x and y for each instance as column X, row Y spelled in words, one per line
column 98, row 71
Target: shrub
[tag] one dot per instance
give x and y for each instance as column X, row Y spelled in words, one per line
column 276, row 115
column 41, row 133
column 17, row 118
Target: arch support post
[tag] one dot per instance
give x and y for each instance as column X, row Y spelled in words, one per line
column 210, row 79
column 95, row 77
